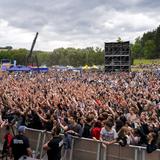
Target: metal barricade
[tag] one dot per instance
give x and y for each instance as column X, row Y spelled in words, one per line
column 116, row 152
column 143, row 155
column 154, row 155
column 36, row 140
column 2, row 133
column 46, row 136
column 85, row 149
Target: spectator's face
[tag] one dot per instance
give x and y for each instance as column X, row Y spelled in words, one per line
column 150, row 127
column 81, row 121
column 71, row 120
column 107, row 128
column 131, row 111
column 143, row 115
column 78, row 114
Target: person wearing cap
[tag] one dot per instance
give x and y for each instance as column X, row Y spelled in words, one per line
column 20, row 144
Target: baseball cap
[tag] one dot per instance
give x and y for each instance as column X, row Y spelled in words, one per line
column 21, row 129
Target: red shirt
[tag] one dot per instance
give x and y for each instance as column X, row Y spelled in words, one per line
column 8, row 137
column 96, row 132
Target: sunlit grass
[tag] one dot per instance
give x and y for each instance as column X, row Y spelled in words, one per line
column 146, row 61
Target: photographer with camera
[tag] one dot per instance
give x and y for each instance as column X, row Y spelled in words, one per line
column 123, row 136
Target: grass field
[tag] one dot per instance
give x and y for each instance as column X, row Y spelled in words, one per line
column 146, row 61
column 137, row 62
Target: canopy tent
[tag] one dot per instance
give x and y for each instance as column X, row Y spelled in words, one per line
column 19, row 69
column 94, row 67
column 40, row 69
column 85, row 67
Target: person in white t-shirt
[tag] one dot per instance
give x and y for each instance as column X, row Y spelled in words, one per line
column 108, row 135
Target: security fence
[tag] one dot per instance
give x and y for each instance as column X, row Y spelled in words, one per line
column 36, row 140
column 86, row 149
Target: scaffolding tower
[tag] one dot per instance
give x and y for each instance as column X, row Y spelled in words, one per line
column 117, row 57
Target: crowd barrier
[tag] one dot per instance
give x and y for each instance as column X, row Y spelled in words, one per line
column 87, row 149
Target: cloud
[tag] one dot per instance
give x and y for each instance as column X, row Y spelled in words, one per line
column 14, row 36
column 74, row 23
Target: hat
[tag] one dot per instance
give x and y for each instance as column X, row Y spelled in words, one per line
column 21, row 129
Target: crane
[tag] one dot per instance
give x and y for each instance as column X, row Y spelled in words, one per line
column 30, row 59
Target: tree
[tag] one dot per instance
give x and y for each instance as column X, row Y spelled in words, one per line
column 149, row 49
column 157, row 42
column 148, row 46
column 119, row 39
column 136, row 48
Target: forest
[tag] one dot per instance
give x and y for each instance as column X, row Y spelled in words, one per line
column 147, row 46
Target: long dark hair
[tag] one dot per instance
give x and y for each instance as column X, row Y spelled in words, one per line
column 56, row 131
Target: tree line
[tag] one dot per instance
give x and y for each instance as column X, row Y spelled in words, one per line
column 61, row 56
column 147, row 46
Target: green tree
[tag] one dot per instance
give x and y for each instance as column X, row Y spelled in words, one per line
column 157, row 42
column 136, row 48
column 149, row 49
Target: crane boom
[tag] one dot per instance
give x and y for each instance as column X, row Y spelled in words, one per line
column 29, row 57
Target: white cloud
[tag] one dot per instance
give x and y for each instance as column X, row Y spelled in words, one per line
column 71, row 23
column 14, row 36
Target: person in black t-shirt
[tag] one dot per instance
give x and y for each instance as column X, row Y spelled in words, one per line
column 87, row 128
column 54, row 146
column 20, row 144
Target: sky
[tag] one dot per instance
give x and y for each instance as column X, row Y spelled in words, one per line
column 75, row 23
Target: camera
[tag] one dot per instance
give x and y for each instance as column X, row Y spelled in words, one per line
column 122, row 141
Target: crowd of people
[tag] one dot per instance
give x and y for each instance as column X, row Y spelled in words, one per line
column 119, row 108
